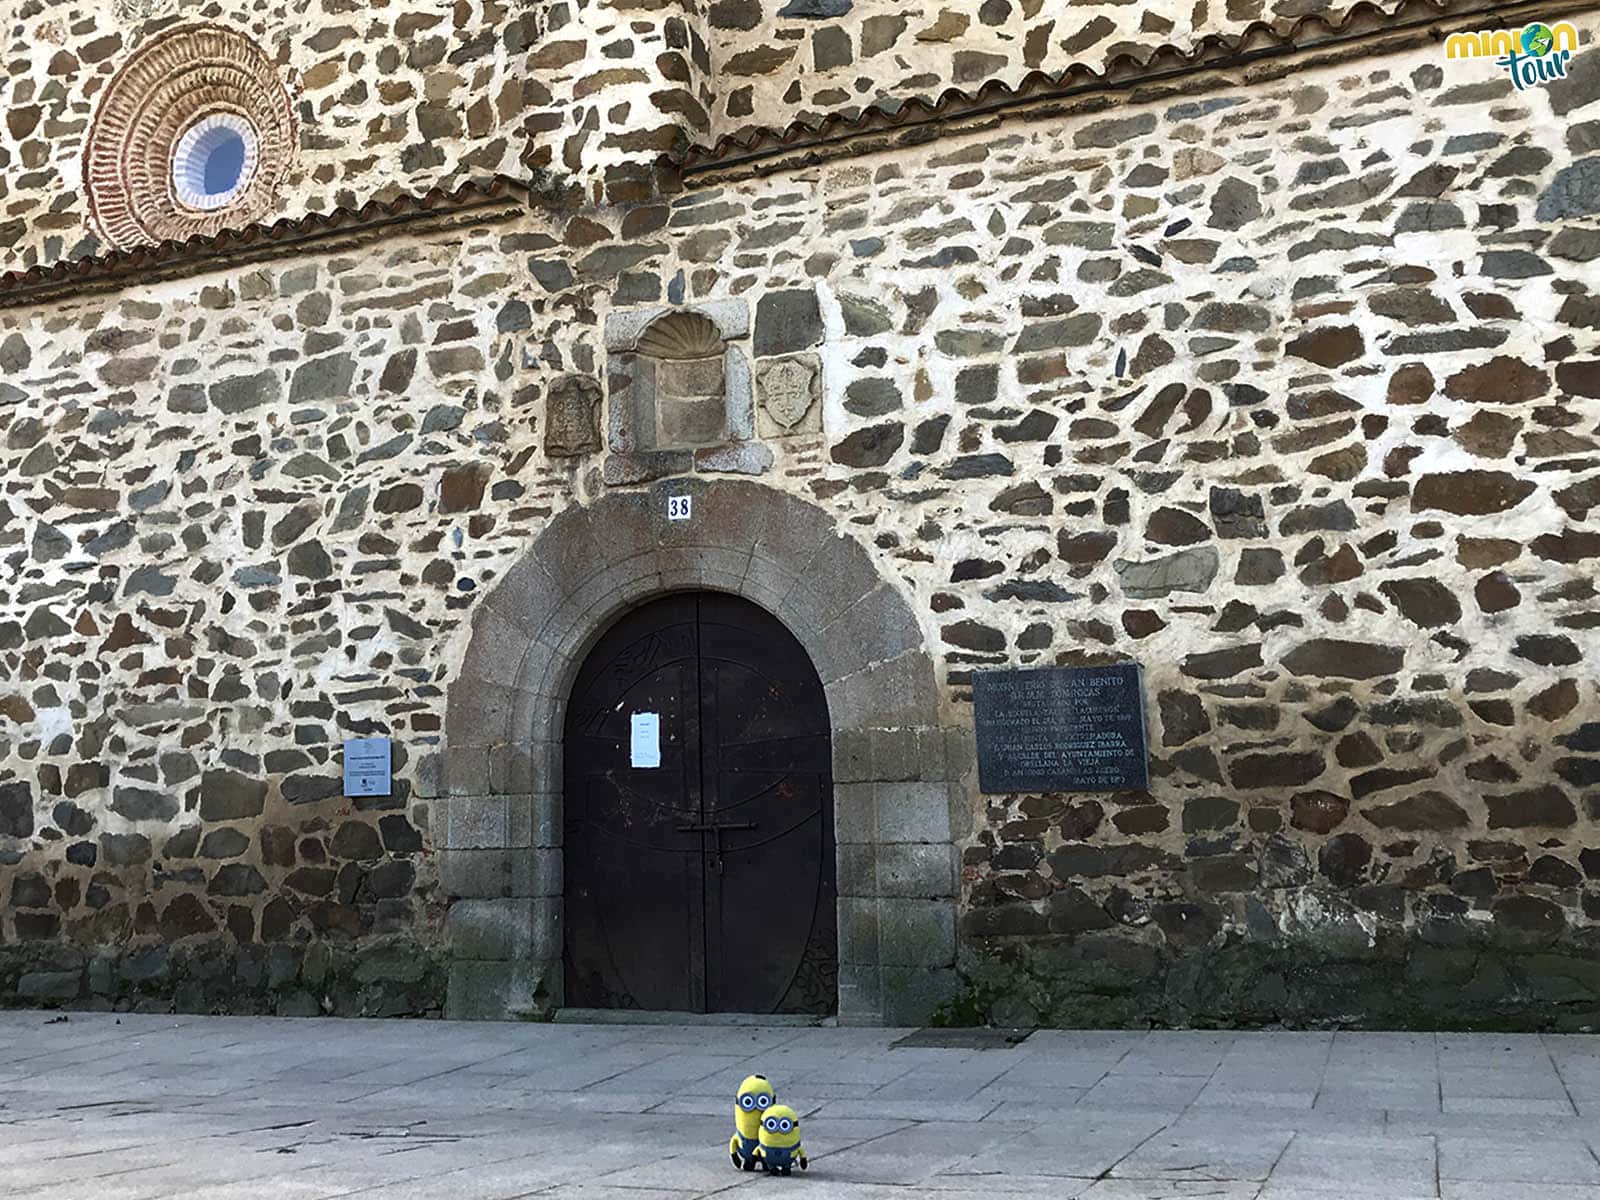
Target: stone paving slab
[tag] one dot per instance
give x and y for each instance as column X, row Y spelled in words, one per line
column 192, row 1108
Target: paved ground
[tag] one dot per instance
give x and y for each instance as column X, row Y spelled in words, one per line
column 140, row 1108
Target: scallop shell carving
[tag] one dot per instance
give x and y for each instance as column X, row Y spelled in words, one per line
column 681, row 335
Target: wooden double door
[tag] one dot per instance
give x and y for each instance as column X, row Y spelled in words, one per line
column 699, row 845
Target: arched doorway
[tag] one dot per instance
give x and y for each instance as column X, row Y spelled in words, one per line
column 901, row 774
column 698, row 816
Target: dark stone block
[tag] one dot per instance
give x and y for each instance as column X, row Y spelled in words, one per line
column 1072, row 911
column 238, row 395
column 1329, row 347
column 141, row 804
column 1283, row 864
column 1276, row 770
column 1424, row 811
column 1222, row 664
column 1528, row 918
column 1585, row 739
column 82, row 854
column 186, row 916
column 1551, row 871
column 1470, row 493
column 237, row 879
column 399, row 835
column 1009, row 920
column 125, row 849
column 977, row 466
column 392, row 880
column 929, row 435
column 787, row 321
column 1579, row 772
column 224, row 843
column 1318, row 811
column 873, row 446
column 1574, row 192
column 514, row 317
column 1237, row 514
column 978, row 385
column 37, row 926
column 815, row 10
column 1540, row 807
column 1080, row 821
column 1258, row 567
column 1225, row 873
column 1424, row 602
column 1187, row 925
column 1209, row 813
column 1344, row 858
column 1174, row 527
column 1336, row 659
column 1198, row 761
column 1334, row 717
column 277, row 846
column 1234, row 204
column 973, row 635
column 16, row 810
column 1142, row 819
column 1548, row 650
column 1183, row 717
column 228, row 796
column 1370, row 782
column 322, row 379
column 30, row 891
column 872, row 397
column 357, row 841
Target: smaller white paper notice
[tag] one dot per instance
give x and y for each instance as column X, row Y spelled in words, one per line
column 644, row 748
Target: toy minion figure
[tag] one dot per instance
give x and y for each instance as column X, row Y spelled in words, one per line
column 755, row 1097
column 778, row 1145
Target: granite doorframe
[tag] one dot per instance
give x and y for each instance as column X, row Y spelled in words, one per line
column 901, row 771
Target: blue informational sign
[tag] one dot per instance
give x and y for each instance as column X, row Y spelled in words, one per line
column 367, row 767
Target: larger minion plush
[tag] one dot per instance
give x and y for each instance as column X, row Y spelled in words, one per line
column 754, row 1098
column 778, row 1145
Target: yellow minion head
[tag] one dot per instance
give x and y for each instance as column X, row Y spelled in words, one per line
column 754, row 1099
column 780, row 1127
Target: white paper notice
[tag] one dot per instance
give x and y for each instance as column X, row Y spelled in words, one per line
column 645, row 747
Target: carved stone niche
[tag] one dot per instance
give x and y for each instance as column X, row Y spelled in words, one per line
column 679, row 393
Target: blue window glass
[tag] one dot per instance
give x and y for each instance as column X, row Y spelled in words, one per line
column 224, row 163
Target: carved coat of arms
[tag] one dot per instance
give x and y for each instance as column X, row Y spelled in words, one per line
column 572, row 417
column 788, row 391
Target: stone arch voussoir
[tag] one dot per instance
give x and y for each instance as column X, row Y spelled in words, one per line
column 899, row 772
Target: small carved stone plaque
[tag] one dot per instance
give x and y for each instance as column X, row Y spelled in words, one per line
column 572, row 417
column 1061, row 729
column 789, row 389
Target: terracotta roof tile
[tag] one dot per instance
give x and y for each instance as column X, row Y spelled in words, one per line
column 254, row 241
column 1258, row 40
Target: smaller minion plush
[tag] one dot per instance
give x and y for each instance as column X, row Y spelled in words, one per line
column 754, row 1098
column 779, row 1147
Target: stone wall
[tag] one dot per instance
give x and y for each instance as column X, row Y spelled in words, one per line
column 395, row 96
column 1286, row 391
column 243, row 519
column 801, row 60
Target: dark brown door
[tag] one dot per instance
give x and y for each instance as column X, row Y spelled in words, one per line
column 704, row 883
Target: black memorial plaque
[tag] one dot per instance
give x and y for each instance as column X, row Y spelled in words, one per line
column 1061, row 729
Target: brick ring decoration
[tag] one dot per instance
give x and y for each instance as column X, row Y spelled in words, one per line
column 193, row 135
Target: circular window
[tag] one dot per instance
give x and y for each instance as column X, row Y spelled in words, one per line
column 193, row 135
column 214, row 162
